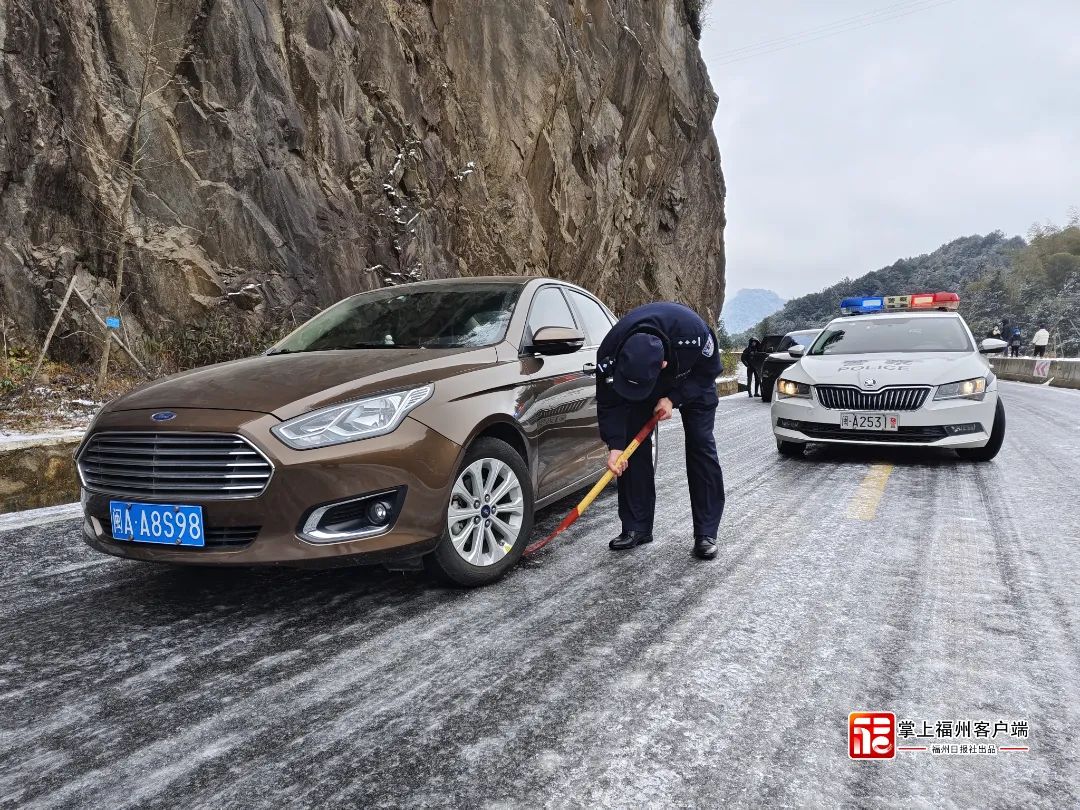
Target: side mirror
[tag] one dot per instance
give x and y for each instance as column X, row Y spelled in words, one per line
column 992, row 346
column 550, row 340
column 798, row 350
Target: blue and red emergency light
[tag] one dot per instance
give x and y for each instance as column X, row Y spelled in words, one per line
column 860, row 305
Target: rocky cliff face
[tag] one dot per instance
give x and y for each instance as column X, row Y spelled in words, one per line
column 292, row 152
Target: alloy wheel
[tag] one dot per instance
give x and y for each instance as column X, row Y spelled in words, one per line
column 486, row 509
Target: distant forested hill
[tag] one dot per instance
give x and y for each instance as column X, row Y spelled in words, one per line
column 747, row 307
column 997, row 277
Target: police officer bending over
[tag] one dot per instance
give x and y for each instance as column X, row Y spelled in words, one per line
column 658, row 357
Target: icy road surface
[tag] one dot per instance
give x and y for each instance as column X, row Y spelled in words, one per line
column 902, row 581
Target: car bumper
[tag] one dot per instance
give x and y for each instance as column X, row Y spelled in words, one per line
column 953, row 423
column 301, row 481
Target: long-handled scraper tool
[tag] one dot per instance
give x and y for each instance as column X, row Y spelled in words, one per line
column 575, row 513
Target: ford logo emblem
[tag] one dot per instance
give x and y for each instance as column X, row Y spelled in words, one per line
column 163, row 416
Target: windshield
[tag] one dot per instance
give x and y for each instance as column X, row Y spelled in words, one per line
column 801, row 338
column 876, row 336
column 450, row 317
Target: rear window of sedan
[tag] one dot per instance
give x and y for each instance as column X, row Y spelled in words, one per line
column 875, row 336
column 459, row 315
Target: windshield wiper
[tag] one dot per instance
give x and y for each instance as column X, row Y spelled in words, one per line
column 376, row 344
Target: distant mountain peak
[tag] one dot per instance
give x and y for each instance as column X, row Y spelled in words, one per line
column 748, row 306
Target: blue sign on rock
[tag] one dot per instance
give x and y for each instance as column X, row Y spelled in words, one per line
column 112, row 322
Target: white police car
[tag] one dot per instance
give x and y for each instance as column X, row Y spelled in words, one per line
column 893, row 370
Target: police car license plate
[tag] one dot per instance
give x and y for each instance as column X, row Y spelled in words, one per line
column 869, row 421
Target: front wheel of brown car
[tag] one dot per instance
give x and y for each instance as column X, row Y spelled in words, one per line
column 488, row 518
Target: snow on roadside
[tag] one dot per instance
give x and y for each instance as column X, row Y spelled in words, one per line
column 10, row 439
column 39, row 517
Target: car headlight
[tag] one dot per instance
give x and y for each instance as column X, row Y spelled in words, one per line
column 361, row 419
column 788, row 388
column 975, row 388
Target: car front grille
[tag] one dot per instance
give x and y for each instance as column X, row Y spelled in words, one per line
column 180, row 466
column 911, row 434
column 847, row 398
column 219, row 538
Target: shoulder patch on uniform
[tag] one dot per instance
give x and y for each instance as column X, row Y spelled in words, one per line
column 709, row 347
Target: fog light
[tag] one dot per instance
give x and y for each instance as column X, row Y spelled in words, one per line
column 352, row 518
column 967, row 427
column 379, row 512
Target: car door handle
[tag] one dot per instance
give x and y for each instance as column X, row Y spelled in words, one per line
column 589, row 368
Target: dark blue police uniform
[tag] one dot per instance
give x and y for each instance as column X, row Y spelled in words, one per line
column 689, row 381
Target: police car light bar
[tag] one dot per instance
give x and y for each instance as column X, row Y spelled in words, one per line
column 859, row 305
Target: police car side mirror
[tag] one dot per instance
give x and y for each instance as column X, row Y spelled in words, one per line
column 550, row 340
column 798, row 350
column 992, row 346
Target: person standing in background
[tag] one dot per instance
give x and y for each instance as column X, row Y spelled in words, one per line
column 1014, row 342
column 1040, row 340
column 753, row 382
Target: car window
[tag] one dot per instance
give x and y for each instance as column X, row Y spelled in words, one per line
column 769, row 343
column 549, row 308
column 801, row 338
column 596, row 320
column 455, row 316
column 876, row 336
column 787, row 341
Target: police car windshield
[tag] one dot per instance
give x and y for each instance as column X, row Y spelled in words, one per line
column 879, row 335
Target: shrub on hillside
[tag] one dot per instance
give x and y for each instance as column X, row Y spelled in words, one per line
column 696, row 11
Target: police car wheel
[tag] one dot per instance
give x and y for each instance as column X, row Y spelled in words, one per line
column 790, row 449
column 488, row 518
column 992, row 447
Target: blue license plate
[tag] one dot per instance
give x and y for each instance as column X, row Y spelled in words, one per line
column 157, row 523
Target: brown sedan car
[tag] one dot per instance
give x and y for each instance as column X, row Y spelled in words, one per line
column 414, row 425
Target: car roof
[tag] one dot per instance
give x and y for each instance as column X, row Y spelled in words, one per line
column 520, row 281
column 892, row 316
column 453, row 280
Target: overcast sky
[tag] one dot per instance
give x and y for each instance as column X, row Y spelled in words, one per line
column 845, row 154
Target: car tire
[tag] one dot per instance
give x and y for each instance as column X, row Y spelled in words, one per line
column 484, row 541
column 766, row 392
column 992, row 447
column 790, row 449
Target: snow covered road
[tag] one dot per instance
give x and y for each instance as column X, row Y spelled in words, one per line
column 848, row 580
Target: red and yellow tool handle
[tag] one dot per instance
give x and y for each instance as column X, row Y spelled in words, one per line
column 575, row 513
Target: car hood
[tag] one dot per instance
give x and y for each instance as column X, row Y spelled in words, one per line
column 884, row 369
column 289, row 384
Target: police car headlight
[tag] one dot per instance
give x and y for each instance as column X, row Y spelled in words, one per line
column 975, row 388
column 788, row 388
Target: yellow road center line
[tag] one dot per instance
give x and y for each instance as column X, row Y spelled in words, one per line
column 864, row 503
